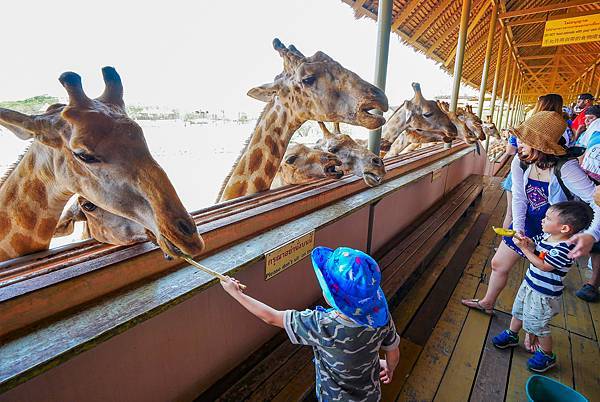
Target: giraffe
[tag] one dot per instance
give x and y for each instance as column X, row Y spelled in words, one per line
column 418, row 115
column 90, row 147
column 301, row 165
column 309, row 88
column 472, row 121
column 356, row 159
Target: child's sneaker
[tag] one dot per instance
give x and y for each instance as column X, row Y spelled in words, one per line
column 505, row 339
column 541, row 362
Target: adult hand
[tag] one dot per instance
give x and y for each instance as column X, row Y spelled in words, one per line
column 583, row 244
column 524, row 243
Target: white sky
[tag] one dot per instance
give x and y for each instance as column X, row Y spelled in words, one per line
column 191, row 54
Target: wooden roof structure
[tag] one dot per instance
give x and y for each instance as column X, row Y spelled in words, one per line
column 431, row 27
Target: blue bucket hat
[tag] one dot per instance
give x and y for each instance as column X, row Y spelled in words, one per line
column 350, row 281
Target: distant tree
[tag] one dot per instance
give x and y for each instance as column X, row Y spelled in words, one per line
column 37, row 104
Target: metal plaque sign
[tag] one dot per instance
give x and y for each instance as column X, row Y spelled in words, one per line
column 572, row 30
column 283, row 257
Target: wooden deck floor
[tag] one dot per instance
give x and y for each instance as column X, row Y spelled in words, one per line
column 456, row 361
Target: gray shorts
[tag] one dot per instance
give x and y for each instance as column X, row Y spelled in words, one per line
column 535, row 310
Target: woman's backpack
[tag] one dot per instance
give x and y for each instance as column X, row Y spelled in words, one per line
column 572, row 153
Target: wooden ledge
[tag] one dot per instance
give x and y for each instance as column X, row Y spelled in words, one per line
column 42, row 348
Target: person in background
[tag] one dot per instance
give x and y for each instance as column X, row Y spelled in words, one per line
column 590, row 163
column 346, row 339
column 584, row 101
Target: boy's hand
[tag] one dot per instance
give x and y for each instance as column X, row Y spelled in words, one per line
column 231, row 286
column 524, row 243
column 385, row 375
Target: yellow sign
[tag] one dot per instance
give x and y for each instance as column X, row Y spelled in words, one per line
column 285, row 256
column 572, row 30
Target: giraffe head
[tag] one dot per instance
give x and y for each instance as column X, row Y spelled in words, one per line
column 462, row 128
column 302, row 165
column 319, row 88
column 99, row 152
column 101, row 224
column 419, row 115
column 356, row 159
column 473, row 121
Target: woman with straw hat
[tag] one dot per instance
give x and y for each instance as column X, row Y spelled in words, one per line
column 536, row 184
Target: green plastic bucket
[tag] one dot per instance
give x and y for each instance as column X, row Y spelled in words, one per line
column 544, row 389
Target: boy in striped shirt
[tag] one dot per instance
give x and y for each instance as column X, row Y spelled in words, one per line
column 539, row 296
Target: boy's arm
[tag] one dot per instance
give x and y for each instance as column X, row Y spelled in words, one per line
column 537, row 261
column 528, row 248
column 392, row 357
column 266, row 313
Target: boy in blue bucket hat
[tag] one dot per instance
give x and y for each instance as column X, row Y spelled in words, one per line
column 346, row 338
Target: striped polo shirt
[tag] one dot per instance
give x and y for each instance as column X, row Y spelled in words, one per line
column 557, row 255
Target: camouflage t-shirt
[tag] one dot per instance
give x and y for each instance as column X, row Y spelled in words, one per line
column 346, row 353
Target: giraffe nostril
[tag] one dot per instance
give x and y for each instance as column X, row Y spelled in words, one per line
column 186, row 227
column 377, row 162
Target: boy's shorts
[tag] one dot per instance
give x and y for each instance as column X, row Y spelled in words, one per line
column 535, row 310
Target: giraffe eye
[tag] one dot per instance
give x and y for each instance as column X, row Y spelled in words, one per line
column 334, row 150
column 88, row 206
column 86, row 158
column 291, row 159
column 309, row 80
column 428, row 114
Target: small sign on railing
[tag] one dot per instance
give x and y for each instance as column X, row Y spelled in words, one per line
column 436, row 174
column 283, row 257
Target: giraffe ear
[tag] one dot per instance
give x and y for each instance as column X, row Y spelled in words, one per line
column 66, row 224
column 264, row 92
column 27, row 127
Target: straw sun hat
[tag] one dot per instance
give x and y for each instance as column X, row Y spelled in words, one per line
column 542, row 131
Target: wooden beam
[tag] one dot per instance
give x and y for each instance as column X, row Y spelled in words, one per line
column 432, row 17
column 472, row 26
column 546, row 8
column 404, row 14
column 443, row 36
column 358, row 7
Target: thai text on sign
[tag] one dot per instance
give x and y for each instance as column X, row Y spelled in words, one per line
column 285, row 256
column 572, row 30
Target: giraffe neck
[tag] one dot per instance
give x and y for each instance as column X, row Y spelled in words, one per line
column 259, row 162
column 31, row 201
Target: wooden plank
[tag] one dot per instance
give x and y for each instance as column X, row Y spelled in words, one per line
column 424, row 321
column 586, row 356
column 459, row 376
column 519, row 373
column 409, row 352
column 594, row 307
column 404, row 312
column 423, row 380
column 245, row 367
column 492, row 373
column 577, row 312
column 261, row 372
column 268, row 389
column 298, row 386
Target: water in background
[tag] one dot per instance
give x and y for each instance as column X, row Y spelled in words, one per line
column 196, row 157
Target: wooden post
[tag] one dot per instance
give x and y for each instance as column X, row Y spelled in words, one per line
column 384, row 23
column 510, row 91
column 497, row 73
column 460, row 53
column 504, row 84
column 486, row 63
